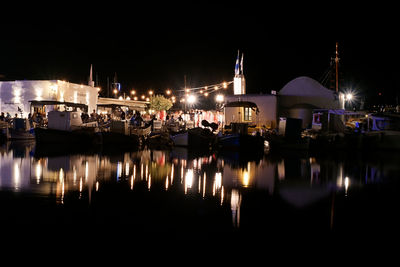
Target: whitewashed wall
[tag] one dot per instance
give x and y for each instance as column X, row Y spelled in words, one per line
column 267, row 106
column 14, row 94
column 77, row 93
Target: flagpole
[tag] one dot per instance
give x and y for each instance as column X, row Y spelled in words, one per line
column 237, row 64
column 241, row 64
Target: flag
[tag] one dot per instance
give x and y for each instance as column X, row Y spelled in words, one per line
column 241, row 64
column 237, row 65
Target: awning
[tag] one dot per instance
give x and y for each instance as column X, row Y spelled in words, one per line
column 53, row 102
column 113, row 103
column 245, row 104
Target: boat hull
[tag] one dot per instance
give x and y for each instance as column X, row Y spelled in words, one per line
column 119, row 139
column 21, row 135
column 181, row 139
column 381, row 140
column 52, row 136
column 196, row 138
column 241, row 142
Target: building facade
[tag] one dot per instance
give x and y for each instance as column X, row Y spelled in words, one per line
column 264, row 115
column 299, row 97
column 15, row 95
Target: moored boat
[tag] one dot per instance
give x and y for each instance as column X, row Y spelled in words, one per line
column 181, row 139
column 21, row 130
column 67, row 127
column 240, row 142
column 196, row 137
column 122, row 133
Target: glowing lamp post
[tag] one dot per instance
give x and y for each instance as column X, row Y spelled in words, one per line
column 191, row 99
column 219, row 99
column 348, row 98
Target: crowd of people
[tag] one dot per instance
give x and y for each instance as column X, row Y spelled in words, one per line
column 6, row 117
column 172, row 121
column 34, row 120
column 134, row 118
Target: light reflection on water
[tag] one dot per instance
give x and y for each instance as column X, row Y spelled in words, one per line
column 299, row 181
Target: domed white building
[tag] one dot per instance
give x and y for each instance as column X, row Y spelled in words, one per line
column 299, row 97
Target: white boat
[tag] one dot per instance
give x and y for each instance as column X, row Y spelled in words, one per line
column 67, row 127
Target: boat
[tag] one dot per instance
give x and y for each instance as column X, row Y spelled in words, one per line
column 21, row 130
column 122, row 133
column 67, row 127
column 382, row 132
column 159, row 140
column 4, row 131
column 181, row 139
column 229, row 141
column 237, row 141
column 197, row 137
column 277, row 142
column 363, row 132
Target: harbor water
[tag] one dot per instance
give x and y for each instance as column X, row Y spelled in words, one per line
column 194, row 195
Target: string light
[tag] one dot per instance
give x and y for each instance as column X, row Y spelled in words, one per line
column 203, row 90
column 208, row 88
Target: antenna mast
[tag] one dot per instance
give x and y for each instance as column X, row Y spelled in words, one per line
column 337, row 68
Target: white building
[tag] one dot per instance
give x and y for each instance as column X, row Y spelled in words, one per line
column 265, row 113
column 299, row 97
column 15, row 95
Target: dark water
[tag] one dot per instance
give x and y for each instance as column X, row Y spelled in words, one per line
column 189, row 195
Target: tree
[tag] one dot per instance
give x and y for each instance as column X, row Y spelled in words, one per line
column 159, row 103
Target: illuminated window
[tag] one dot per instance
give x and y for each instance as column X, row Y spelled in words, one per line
column 247, row 114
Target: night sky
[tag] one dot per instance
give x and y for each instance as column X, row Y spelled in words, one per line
column 155, row 48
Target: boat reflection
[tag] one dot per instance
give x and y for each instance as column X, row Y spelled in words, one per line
column 224, row 178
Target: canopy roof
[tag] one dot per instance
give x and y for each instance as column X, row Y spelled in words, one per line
column 113, row 103
column 246, row 104
column 53, row 102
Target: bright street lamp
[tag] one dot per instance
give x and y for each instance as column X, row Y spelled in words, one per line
column 219, row 98
column 191, row 99
column 349, row 97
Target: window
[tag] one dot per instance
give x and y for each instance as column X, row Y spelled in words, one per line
column 247, row 114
